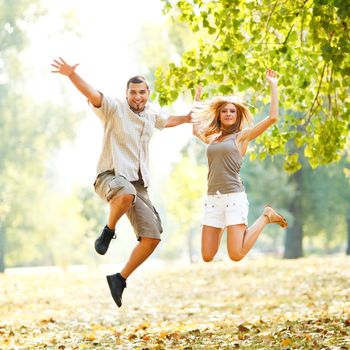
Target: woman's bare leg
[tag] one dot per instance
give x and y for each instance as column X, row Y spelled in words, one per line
column 241, row 239
column 211, row 237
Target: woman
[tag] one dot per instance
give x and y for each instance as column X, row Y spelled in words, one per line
column 219, row 123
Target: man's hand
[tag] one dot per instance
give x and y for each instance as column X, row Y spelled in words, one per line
column 63, row 67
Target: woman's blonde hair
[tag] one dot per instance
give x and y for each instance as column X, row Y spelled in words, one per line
column 206, row 115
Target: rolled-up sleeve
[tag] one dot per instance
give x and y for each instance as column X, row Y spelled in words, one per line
column 161, row 119
column 107, row 109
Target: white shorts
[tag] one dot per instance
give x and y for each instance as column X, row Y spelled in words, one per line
column 221, row 210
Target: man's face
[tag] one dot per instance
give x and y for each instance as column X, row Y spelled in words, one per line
column 137, row 96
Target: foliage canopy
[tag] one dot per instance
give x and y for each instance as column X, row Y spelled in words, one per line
column 307, row 42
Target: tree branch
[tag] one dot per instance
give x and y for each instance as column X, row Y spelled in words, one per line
column 286, row 39
column 309, row 113
column 268, row 21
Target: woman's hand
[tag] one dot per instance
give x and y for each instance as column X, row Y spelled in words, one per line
column 271, row 77
column 198, row 94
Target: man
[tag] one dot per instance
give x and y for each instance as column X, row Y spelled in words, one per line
column 122, row 170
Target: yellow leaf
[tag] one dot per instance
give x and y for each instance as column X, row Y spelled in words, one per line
column 162, row 335
column 143, row 325
column 286, row 342
column 53, row 340
column 89, row 337
column 49, row 320
column 118, row 341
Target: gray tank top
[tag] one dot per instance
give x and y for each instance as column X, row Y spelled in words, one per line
column 225, row 163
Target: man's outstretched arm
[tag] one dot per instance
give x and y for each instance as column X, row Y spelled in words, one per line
column 174, row 121
column 62, row 67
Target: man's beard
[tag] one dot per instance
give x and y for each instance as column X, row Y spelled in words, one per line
column 137, row 108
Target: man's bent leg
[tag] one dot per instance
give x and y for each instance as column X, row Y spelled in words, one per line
column 119, row 205
column 120, row 194
column 117, row 282
column 141, row 252
column 147, row 227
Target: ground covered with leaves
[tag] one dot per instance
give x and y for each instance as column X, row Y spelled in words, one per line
column 254, row 304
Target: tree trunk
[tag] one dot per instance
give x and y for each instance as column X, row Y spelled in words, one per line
column 2, row 250
column 348, row 247
column 294, row 238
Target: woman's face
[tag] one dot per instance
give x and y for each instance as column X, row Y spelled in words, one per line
column 228, row 115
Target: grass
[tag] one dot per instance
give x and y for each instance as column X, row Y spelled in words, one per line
column 254, row 304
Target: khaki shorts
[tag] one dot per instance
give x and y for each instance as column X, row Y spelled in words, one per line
column 142, row 215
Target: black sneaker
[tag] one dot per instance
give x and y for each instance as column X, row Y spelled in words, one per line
column 116, row 286
column 102, row 242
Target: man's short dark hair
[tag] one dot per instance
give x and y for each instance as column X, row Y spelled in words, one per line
column 137, row 79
